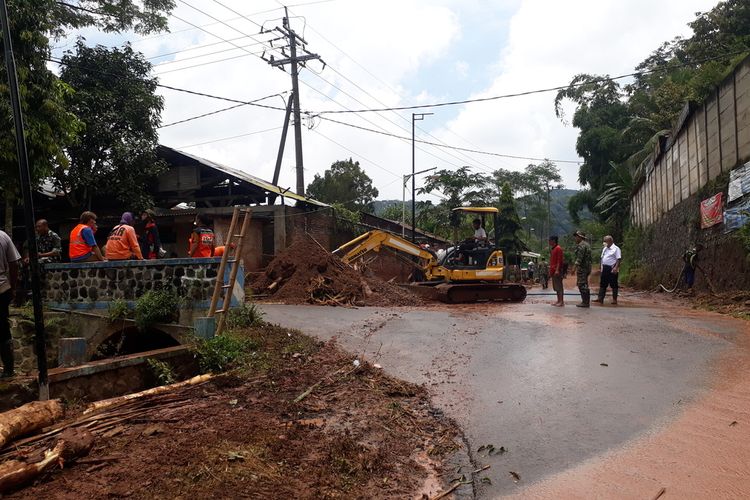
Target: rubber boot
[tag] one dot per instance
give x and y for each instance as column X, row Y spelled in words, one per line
column 6, row 355
column 614, row 297
column 600, row 296
column 585, row 299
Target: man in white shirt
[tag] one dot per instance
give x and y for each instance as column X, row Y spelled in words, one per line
column 480, row 235
column 610, row 267
column 9, row 258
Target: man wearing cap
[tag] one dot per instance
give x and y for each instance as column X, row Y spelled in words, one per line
column 582, row 267
column 610, row 267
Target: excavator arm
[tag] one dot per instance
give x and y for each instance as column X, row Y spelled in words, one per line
column 377, row 239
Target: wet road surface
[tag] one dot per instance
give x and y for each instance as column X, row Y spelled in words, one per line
column 557, row 387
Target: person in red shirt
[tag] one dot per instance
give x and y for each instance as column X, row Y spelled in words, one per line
column 555, row 270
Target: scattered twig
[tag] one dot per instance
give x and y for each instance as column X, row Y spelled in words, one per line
column 659, row 494
column 480, row 470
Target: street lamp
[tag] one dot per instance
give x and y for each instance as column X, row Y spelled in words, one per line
column 403, row 202
column 414, row 118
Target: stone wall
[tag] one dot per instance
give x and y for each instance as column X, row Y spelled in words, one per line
column 661, row 247
column 57, row 325
column 93, row 285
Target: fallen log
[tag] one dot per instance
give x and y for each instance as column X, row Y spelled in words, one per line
column 156, row 390
column 72, row 444
column 28, row 418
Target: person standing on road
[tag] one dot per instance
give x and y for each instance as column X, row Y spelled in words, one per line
column 555, row 270
column 582, row 268
column 543, row 274
column 9, row 258
column 532, row 268
column 610, row 268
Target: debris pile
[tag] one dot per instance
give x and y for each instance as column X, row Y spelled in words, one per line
column 306, row 273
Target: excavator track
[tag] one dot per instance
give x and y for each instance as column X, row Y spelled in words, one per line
column 453, row 293
column 464, row 293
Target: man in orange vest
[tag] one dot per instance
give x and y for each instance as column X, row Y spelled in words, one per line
column 202, row 242
column 83, row 247
column 122, row 243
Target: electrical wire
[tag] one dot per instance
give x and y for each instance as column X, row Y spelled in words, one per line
column 531, row 158
column 229, row 138
column 530, row 92
column 207, row 63
column 211, row 113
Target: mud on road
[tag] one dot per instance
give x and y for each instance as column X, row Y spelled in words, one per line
column 354, row 432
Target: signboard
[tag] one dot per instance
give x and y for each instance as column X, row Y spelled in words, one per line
column 737, row 216
column 739, row 182
column 711, row 213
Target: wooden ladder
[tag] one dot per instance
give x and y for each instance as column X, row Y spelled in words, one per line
column 232, row 255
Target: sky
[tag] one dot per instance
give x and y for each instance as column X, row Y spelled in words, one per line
column 389, row 54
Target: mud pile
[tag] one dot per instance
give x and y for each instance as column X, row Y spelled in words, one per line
column 305, row 273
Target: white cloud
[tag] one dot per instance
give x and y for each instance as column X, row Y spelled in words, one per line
column 543, row 44
column 549, row 42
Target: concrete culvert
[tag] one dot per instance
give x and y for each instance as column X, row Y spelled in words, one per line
column 131, row 340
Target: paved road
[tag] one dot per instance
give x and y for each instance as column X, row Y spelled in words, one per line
column 532, row 378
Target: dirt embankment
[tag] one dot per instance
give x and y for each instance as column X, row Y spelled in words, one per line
column 314, row 426
column 305, row 273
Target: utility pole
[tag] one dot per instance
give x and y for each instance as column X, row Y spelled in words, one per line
column 414, row 118
column 28, row 206
column 294, row 42
column 403, row 202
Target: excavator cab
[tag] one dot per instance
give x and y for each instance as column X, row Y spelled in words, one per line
column 483, row 256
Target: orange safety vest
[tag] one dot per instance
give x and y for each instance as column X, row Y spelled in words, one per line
column 205, row 242
column 78, row 246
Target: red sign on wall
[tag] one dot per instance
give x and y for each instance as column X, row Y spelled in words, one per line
column 711, row 211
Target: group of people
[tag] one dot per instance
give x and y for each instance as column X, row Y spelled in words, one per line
column 611, row 257
column 122, row 242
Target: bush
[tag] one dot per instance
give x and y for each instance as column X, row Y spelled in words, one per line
column 245, row 316
column 117, row 310
column 156, row 306
column 162, row 371
column 223, row 352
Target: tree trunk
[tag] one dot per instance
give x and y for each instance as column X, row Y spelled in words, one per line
column 10, row 203
column 73, row 443
column 28, row 418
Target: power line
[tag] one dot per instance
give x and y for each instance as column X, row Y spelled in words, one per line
column 170, row 87
column 471, row 160
column 477, row 151
column 229, row 138
column 529, row 92
column 221, row 110
column 174, row 61
column 163, row 35
column 207, row 63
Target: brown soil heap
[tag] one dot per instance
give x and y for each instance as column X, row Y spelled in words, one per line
column 306, row 273
column 315, row 426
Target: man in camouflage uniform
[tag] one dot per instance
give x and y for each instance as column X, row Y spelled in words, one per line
column 582, row 267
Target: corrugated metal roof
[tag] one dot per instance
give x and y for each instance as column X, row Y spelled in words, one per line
column 249, row 178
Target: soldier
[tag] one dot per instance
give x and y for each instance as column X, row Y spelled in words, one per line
column 582, row 267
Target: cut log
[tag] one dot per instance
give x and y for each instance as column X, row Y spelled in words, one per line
column 28, row 418
column 156, row 390
column 72, row 444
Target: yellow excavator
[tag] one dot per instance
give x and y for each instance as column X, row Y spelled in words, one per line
column 468, row 272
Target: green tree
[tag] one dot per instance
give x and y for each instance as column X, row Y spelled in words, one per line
column 508, row 223
column 49, row 125
column 116, row 100
column 460, row 187
column 344, row 183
